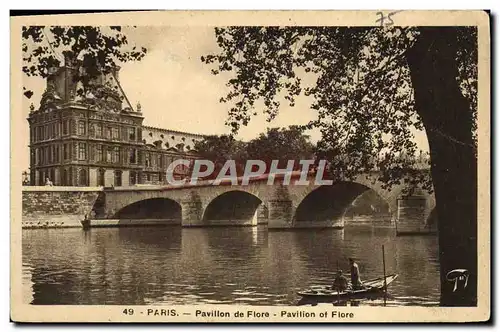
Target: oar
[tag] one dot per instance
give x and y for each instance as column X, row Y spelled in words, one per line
column 338, row 293
column 385, row 280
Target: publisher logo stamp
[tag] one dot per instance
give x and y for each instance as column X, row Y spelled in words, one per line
column 458, row 276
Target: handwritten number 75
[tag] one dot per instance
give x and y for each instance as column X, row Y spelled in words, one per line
column 385, row 20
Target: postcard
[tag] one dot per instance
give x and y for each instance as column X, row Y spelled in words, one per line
column 251, row 166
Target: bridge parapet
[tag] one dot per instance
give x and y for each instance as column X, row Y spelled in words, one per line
column 280, row 206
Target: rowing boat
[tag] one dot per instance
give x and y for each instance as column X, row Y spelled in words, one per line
column 371, row 287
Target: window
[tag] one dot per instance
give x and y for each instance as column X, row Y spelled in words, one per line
column 51, row 154
column 65, row 180
column 42, row 178
column 43, row 156
column 99, row 130
column 109, row 153
column 82, row 177
column 116, row 154
column 65, row 127
column 115, row 133
column 118, row 178
column 108, row 132
column 148, row 160
column 99, row 153
column 160, row 160
column 160, row 176
column 65, row 151
column 100, row 177
column 82, row 151
column 131, row 134
column 81, row 128
column 92, row 130
column 148, row 177
column 133, row 156
column 133, row 178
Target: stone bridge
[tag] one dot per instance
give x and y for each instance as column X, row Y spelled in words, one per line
column 278, row 206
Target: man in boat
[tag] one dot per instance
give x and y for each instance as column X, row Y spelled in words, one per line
column 340, row 283
column 355, row 277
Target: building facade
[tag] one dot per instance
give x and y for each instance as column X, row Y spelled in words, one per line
column 97, row 138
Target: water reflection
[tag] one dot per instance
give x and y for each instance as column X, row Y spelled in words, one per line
column 244, row 265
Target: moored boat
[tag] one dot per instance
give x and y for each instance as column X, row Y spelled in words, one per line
column 371, row 287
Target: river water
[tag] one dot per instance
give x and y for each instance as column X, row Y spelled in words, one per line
column 234, row 265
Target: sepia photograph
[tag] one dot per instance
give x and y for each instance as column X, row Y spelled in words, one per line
column 240, row 166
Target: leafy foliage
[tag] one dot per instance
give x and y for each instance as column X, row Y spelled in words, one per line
column 281, row 144
column 97, row 50
column 359, row 82
column 221, row 148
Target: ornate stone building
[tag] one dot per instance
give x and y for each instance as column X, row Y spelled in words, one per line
column 97, row 138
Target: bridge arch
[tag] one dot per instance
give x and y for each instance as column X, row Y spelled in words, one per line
column 152, row 208
column 368, row 208
column 234, row 207
column 329, row 203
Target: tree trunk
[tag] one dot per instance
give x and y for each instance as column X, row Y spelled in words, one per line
column 448, row 119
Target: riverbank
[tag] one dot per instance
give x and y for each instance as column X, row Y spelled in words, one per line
column 57, row 207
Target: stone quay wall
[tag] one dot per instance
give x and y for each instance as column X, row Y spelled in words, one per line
column 57, row 207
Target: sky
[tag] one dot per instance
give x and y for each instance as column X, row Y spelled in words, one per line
column 177, row 91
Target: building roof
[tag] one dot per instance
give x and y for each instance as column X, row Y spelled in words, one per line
column 176, row 132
